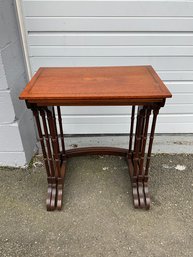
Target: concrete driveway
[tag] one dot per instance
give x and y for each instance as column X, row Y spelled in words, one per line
column 98, row 218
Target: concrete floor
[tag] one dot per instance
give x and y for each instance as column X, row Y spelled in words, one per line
column 98, row 218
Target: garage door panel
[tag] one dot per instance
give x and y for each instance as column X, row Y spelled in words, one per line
column 110, row 38
column 108, row 24
column 159, row 63
column 75, row 33
column 115, row 8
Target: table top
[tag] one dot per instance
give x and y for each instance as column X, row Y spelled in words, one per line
column 95, row 86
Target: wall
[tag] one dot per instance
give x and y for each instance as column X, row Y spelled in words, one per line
column 17, row 134
column 100, row 33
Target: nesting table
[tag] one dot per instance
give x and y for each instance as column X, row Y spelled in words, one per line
column 136, row 86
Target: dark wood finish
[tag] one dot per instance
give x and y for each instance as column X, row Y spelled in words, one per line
column 36, row 115
column 137, row 86
column 61, row 132
column 131, row 129
column 96, row 150
column 54, row 139
column 103, row 102
column 47, row 139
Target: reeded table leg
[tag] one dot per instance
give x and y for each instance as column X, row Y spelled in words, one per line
column 136, row 157
column 50, row 201
column 54, row 157
column 59, row 154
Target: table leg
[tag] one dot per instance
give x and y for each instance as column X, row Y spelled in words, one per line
column 58, row 155
column 63, row 158
column 142, row 196
column 50, row 202
column 137, row 191
column 140, row 141
column 145, row 181
column 139, row 171
column 54, row 158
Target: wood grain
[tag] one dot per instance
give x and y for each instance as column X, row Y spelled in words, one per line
column 95, row 85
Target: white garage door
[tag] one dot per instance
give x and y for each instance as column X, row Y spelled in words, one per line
column 101, row 33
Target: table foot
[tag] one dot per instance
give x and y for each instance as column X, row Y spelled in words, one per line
column 51, row 194
column 55, row 195
column 135, row 195
column 147, row 196
column 141, row 197
column 140, row 192
column 59, row 197
column 60, row 187
column 53, row 198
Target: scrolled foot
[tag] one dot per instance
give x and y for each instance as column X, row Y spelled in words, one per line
column 53, row 197
column 135, row 195
column 60, row 193
column 59, row 196
column 141, row 198
column 51, row 194
column 60, row 183
column 135, row 192
column 48, row 200
column 141, row 195
column 147, row 196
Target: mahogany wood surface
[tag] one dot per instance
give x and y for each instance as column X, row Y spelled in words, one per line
column 95, row 86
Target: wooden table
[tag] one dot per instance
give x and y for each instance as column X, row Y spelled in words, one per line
column 51, row 88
